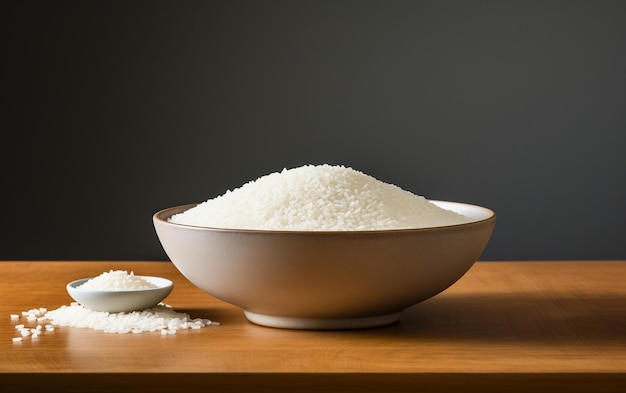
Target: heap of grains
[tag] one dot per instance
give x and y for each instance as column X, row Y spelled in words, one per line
column 318, row 198
column 161, row 318
column 117, row 280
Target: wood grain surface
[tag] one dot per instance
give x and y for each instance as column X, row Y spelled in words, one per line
column 504, row 326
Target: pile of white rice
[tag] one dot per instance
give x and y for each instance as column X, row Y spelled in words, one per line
column 117, row 280
column 162, row 318
column 318, row 198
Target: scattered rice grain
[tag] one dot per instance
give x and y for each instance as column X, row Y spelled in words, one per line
column 161, row 318
column 150, row 320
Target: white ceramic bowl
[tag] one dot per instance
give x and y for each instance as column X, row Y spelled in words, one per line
column 121, row 300
column 325, row 280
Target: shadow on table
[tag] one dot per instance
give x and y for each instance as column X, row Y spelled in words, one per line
column 519, row 317
column 489, row 317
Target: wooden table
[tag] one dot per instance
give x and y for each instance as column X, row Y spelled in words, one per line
column 505, row 327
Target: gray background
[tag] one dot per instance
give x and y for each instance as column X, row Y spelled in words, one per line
column 113, row 111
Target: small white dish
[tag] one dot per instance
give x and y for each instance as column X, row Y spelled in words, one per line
column 121, row 300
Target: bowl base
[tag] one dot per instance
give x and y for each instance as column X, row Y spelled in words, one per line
column 321, row 323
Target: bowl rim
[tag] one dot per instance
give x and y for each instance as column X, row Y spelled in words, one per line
column 162, row 216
